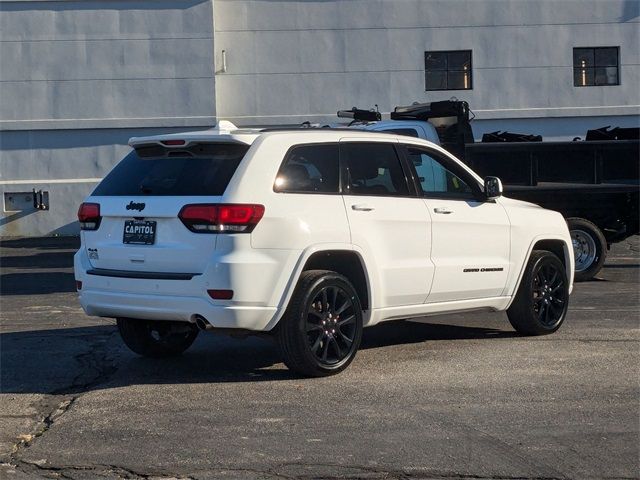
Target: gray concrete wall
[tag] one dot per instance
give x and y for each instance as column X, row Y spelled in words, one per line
column 78, row 78
column 289, row 59
column 65, row 163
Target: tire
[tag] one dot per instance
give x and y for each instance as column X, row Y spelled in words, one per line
column 156, row 338
column 542, row 299
column 321, row 330
column 589, row 248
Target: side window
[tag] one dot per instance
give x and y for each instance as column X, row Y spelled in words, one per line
column 434, row 177
column 309, row 169
column 373, row 169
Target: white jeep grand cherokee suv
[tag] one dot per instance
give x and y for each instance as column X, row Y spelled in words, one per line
column 309, row 235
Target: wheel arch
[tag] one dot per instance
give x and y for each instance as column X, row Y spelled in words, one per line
column 343, row 259
column 347, row 263
column 554, row 244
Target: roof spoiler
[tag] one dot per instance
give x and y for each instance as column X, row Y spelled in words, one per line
column 224, row 127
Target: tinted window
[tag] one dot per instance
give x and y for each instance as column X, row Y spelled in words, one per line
column 448, row 70
column 309, row 168
column 163, row 172
column 435, row 178
column 596, row 66
column 373, row 169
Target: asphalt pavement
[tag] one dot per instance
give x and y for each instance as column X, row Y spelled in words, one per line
column 447, row 397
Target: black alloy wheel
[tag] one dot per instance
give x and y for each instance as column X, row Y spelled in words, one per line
column 321, row 330
column 157, row 338
column 331, row 325
column 549, row 294
column 541, row 302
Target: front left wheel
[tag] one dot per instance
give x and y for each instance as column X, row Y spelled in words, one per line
column 157, row 338
column 321, row 330
column 541, row 303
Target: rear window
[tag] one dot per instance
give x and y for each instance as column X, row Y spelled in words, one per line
column 200, row 170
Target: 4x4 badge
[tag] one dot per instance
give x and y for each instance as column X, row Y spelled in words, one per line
column 136, row 206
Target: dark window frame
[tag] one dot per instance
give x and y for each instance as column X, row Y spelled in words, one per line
column 408, row 178
column 595, row 66
column 308, row 192
column 447, row 70
column 477, row 194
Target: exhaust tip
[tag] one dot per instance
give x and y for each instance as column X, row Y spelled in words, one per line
column 202, row 323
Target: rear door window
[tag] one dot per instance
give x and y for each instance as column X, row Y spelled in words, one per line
column 202, row 170
column 373, row 169
column 312, row 168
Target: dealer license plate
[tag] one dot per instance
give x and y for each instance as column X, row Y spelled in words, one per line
column 139, row 232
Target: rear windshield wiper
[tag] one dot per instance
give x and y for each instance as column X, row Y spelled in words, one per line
column 145, row 189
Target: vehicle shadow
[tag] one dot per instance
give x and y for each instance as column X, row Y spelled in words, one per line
column 73, row 360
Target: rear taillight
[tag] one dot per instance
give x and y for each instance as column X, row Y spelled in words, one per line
column 89, row 216
column 221, row 218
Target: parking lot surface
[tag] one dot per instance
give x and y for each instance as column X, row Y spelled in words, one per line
column 460, row 396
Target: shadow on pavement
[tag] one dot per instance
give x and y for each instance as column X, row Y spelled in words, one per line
column 36, row 283
column 42, row 243
column 73, row 360
column 34, row 266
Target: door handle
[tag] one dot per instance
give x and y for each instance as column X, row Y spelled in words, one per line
column 362, row 208
column 444, row 211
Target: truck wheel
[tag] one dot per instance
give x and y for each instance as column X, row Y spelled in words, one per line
column 321, row 330
column 589, row 248
column 541, row 302
column 156, row 338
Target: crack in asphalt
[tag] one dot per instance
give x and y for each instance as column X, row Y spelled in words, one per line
column 350, row 472
column 97, row 364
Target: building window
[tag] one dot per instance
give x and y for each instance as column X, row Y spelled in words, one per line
column 595, row 66
column 448, row 70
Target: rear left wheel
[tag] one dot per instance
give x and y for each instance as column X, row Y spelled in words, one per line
column 157, row 338
column 321, row 330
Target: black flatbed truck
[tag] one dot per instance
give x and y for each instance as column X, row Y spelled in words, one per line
column 594, row 184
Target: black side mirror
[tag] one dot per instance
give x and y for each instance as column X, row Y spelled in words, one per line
column 492, row 187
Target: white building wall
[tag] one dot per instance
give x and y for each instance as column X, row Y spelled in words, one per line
column 307, row 59
column 78, row 78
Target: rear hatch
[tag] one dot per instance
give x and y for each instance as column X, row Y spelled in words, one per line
column 138, row 228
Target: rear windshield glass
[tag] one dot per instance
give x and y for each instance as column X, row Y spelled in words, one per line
column 200, row 170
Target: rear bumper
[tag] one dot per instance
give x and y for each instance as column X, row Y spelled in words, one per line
column 182, row 308
column 257, row 286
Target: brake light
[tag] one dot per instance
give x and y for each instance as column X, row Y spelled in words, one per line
column 89, row 216
column 221, row 218
column 173, row 142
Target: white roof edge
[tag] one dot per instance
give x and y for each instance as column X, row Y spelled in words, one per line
column 224, row 128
